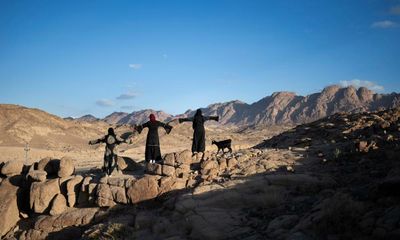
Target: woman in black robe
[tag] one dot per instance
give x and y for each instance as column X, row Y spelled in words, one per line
column 153, row 153
column 199, row 134
column 111, row 141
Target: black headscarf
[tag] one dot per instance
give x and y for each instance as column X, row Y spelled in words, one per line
column 198, row 119
column 111, row 131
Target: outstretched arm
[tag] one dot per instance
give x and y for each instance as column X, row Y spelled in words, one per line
column 100, row 140
column 167, row 127
column 181, row 120
column 215, row 118
column 140, row 128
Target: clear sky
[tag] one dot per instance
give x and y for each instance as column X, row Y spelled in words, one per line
column 72, row 58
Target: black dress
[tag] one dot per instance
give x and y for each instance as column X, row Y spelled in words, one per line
column 111, row 142
column 199, row 132
column 153, row 151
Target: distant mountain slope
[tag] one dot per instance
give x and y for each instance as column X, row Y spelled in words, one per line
column 289, row 108
column 115, row 117
column 19, row 125
column 87, row 118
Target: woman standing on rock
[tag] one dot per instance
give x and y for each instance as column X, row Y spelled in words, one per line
column 153, row 153
column 199, row 134
column 111, row 141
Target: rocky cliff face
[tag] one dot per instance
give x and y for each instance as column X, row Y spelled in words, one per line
column 289, row 108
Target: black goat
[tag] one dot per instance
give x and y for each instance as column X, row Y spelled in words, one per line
column 223, row 144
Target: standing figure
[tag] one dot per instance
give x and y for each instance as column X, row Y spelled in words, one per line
column 111, row 141
column 153, row 153
column 199, row 134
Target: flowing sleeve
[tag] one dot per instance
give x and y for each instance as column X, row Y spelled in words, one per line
column 167, row 127
column 215, row 118
column 140, row 128
column 181, row 120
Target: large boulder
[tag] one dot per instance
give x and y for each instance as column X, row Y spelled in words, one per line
column 118, row 194
column 168, row 170
column 42, row 193
column 169, row 159
column 12, row 168
column 75, row 217
column 59, row 205
column 8, row 207
column 73, row 189
column 154, row 168
column 66, row 167
column 104, row 196
column 143, row 189
column 184, row 157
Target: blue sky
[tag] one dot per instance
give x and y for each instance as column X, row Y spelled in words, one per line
column 72, row 58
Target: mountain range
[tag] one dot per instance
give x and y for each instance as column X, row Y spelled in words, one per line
column 276, row 109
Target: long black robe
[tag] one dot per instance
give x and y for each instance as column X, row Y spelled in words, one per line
column 111, row 142
column 199, row 132
column 153, row 151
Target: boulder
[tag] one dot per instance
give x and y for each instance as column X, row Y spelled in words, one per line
column 51, row 166
column 8, row 207
column 75, row 217
column 104, row 196
column 73, row 189
column 12, row 168
column 42, row 193
column 168, row 170
column 184, row 157
column 143, row 189
column 169, row 159
column 121, row 164
column 66, row 167
column 153, row 168
column 118, row 194
column 127, row 164
column 37, row 176
column 116, row 181
column 166, row 184
column 59, row 205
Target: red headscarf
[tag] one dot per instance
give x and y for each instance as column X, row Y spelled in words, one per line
column 152, row 118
